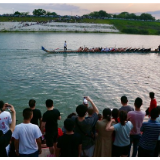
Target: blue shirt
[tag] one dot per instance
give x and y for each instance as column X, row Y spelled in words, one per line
column 151, row 131
column 122, row 137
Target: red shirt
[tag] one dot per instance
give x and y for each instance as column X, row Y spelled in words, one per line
column 153, row 104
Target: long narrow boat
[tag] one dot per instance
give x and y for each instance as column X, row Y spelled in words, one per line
column 130, row 50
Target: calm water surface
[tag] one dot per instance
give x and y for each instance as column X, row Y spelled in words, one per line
column 27, row 72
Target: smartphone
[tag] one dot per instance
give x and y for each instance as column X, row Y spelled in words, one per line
column 8, row 106
column 85, row 100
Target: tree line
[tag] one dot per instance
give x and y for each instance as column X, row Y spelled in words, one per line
column 124, row 15
column 96, row 14
column 36, row 12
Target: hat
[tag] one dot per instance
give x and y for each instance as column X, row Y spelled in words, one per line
column 85, row 101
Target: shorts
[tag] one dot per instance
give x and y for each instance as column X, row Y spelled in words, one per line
column 119, row 151
column 65, row 48
column 51, row 138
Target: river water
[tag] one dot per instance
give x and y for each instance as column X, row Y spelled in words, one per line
column 27, row 72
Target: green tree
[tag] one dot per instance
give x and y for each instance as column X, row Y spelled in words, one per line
column 102, row 13
column 94, row 14
column 24, row 13
column 146, row 16
column 123, row 15
column 39, row 12
column 131, row 16
column 17, row 13
column 51, row 13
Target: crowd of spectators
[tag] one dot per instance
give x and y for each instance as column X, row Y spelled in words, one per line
column 86, row 133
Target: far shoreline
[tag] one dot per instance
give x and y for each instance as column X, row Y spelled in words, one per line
column 120, row 26
column 57, row 27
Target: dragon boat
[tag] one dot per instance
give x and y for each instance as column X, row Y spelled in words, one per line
column 120, row 50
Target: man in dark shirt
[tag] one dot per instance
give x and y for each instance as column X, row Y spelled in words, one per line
column 125, row 107
column 84, row 126
column 49, row 123
column 36, row 113
column 70, row 144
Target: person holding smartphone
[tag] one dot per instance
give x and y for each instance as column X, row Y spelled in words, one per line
column 5, row 117
column 5, row 138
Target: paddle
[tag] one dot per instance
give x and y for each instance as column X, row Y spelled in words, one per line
column 55, row 49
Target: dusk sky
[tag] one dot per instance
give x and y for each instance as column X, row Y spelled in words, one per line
column 69, row 8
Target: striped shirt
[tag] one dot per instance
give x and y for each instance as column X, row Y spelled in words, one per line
column 151, row 131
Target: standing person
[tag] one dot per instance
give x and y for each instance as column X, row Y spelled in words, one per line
column 65, row 46
column 36, row 113
column 136, row 117
column 90, row 112
column 69, row 116
column 122, row 139
column 49, row 123
column 5, row 138
column 125, row 107
column 5, row 117
column 115, row 114
column 27, row 136
column 84, row 126
column 157, row 149
column 70, row 144
column 103, row 143
column 151, row 131
column 153, row 102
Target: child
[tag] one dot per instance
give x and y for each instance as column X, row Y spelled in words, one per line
column 70, row 144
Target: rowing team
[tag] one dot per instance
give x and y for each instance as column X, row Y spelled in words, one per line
column 100, row 49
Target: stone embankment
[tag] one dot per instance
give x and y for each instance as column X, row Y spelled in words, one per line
column 57, row 27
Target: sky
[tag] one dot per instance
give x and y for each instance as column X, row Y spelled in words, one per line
column 82, row 7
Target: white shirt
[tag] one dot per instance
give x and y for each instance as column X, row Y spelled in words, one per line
column 27, row 135
column 5, row 121
column 65, row 44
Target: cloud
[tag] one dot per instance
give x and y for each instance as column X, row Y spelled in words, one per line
column 61, row 9
column 65, row 8
column 130, row 5
column 155, row 14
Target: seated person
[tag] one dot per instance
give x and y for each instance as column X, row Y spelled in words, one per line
column 85, row 49
column 91, row 49
column 79, row 49
column 106, row 49
column 112, row 49
column 102, row 50
column 97, row 49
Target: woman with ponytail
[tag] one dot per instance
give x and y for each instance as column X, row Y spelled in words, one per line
column 103, row 143
column 121, row 145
